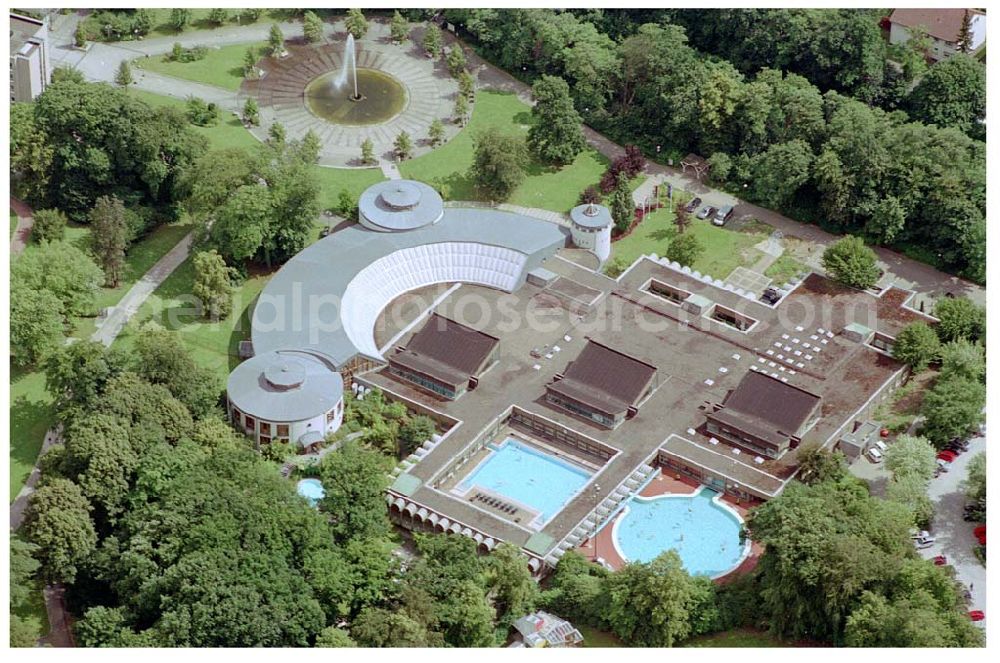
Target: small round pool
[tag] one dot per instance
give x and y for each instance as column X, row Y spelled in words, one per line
column 704, row 531
column 312, row 490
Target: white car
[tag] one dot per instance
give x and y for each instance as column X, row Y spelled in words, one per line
column 874, row 455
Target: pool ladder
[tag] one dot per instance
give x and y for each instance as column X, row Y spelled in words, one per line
column 603, row 512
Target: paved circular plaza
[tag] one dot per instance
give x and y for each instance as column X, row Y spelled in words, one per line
column 428, row 88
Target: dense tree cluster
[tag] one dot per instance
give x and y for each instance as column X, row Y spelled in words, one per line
column 261, row 206
column 780, row 121
column 838, row 565
column 95, row 140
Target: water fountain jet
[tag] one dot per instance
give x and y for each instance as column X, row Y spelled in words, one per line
column 349, row 68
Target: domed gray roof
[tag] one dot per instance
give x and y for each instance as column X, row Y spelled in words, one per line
column 591, row 215
column 284, row 386
column 396, row 205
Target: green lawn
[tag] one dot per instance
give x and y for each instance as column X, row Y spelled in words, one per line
column 724, row 249
column 593, row 637
column 222, row 67
column 213, row 345
column 229, row 132
column 333, row 180
column 785, row 268
column 546, row 187
column 33, row 611
column 31, row 414
column 13, row 223
column 740, row 637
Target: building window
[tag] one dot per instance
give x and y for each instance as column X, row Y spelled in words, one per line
column 250, row 423
column 265, row 440
column 265, row 428
column 282, row 430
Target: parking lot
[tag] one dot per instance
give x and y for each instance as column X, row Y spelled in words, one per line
column 954, row 538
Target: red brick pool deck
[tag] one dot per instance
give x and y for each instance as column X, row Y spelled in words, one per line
column 601, row 546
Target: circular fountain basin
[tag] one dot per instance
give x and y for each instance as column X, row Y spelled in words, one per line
column 382, row 98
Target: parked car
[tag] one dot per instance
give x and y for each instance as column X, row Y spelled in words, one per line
column 874, row 455
column 722, row 215
column 693, row 205
column 940, row 560
column 947, row 456
column 942, row 465
column 881, row 446
column 924, row 544
column 705, row 212
column 770, row 296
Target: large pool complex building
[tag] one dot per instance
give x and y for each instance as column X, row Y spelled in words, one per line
column 558, row 392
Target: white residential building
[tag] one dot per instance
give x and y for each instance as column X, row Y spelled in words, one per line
column 942, row 25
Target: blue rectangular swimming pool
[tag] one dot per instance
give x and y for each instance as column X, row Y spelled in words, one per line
column 528, row 476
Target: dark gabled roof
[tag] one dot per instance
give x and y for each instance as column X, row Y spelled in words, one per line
column 447, row 350
column 605, row 379
column 767, row 403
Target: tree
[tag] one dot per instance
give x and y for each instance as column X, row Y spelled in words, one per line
column 218, row 16
column 276, row 41
column 48, row 225
column 30, row 154
column 511, row 587
column 682, row 218
column 332, row 636
column 952, row 407
column 466, row 84
column 975, row 482
column 36, row 324
column 964, row 40
column 76, row 374
column 648, row 604
column 378, row 627
column 888, row 218
column 276, row 135
column 414, row 433
column 162, row 359
column 432, row 41
column 312, row 27
column 179, row 19
column 367, row 151
column 356, row 23
column 818, row 465
column 960, row 319
column 621, row 204
column 399, row 29
column 557, row 133
column 952, row 94
column 916, row 345
column 354, row 482
column 80, row 35
column 123, row 76
column 202, row 113
column 250, row 71
column 102, row 627
column 251, row 113
column 684, row 249
column 455, row 60
column 309, row 147
column 403, row 146
column 779, row 171
column 910, row 490
column 110, row 237
column 58, row 522
column 213, row 285
column 62, row 269
column 910, row 455
column 912, row 619
column 852, row 263
column 963, row 359
column 436, row 132
column 461, row 111
column 842, row 541
column 23, row 567
column 499, row 163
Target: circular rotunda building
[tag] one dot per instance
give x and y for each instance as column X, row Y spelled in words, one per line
column 286, row 396
column 399, row 205
column 592, row 229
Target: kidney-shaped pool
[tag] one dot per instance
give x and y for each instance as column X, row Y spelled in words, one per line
column 703, row 530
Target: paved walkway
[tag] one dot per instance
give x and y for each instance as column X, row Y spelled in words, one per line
column 25, row 219
column 20, row 504
column 60, row 620
column 111, row 326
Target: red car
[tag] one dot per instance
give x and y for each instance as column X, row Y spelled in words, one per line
column 977, row 615
column 980, row 534
column 940, row 560
column 947, row 456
